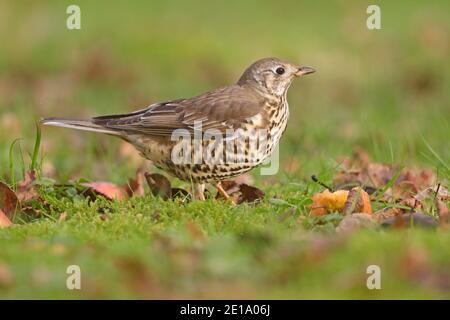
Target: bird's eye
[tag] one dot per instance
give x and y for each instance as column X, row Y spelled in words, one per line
column 279, row 70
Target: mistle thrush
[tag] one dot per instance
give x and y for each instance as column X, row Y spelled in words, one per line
column 211, row 137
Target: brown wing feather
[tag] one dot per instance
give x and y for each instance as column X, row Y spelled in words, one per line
column 219, row 109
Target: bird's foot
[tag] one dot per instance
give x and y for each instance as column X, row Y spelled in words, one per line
column 222, row 191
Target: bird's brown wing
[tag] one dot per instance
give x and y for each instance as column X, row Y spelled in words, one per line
column 220, row 109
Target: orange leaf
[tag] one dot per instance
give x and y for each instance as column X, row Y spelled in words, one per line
column 4, row 220
column 356, row 200
column 109, row 190
column 326, row 202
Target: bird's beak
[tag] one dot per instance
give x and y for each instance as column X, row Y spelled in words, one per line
column 304, row 71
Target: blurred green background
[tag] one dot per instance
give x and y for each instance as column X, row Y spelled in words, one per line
column 385, row 91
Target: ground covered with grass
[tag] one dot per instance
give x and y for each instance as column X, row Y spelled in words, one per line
column 378, row 97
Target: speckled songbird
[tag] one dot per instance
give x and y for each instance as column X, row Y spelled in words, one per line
column 229, row 130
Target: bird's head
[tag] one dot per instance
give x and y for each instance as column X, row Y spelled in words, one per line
column 272, row 75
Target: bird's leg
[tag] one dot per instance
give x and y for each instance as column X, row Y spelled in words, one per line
column 221, row 190
column 199, row 191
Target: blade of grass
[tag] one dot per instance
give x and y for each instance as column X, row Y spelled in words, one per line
column 12, row 169
column 22, row 160
column 436, row 155
column 389, row 184
column 37, row 145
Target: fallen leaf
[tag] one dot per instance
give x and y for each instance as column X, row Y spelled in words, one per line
column 379, row 174
column 159, row 185
column 355, row 221
column 442, row 193
column 357, row 201
column 343, row 201
column 326, row 202
column 8, row 200
column 387, row 213
column 443, row 212
column 420, row 178
column 250, row 194
column 26, row 189
column 107, row 189
column 404, row 206
column 349, row 179
column 240, row 192
column 414, row 219
column 4, row 220
column 360, row 171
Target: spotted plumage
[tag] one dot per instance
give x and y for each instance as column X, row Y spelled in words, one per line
column 211, row 137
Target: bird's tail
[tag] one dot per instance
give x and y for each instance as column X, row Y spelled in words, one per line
column 86, row 125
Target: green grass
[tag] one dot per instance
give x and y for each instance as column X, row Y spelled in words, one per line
column 384, row 91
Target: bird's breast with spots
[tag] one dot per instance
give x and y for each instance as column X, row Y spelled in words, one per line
column 221, row 157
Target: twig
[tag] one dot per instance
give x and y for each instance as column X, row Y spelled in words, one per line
column 316, row 180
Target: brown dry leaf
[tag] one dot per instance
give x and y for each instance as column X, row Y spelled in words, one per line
column 107, row 189
column 241, row 192
column 384, row 214
column 159, row 185
column 411, row 181
column 420, row 178
column 250, row 194
column 401, row 190
column 443, row 212
column 357, row 201
column 8, row 200
column 359, row 171
column 412, row 204
column 380, row 174
column 411, row 219
column 4, row 220
column 26, row 189
column 345, row 179
column 442, row 193
column 356, row 221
